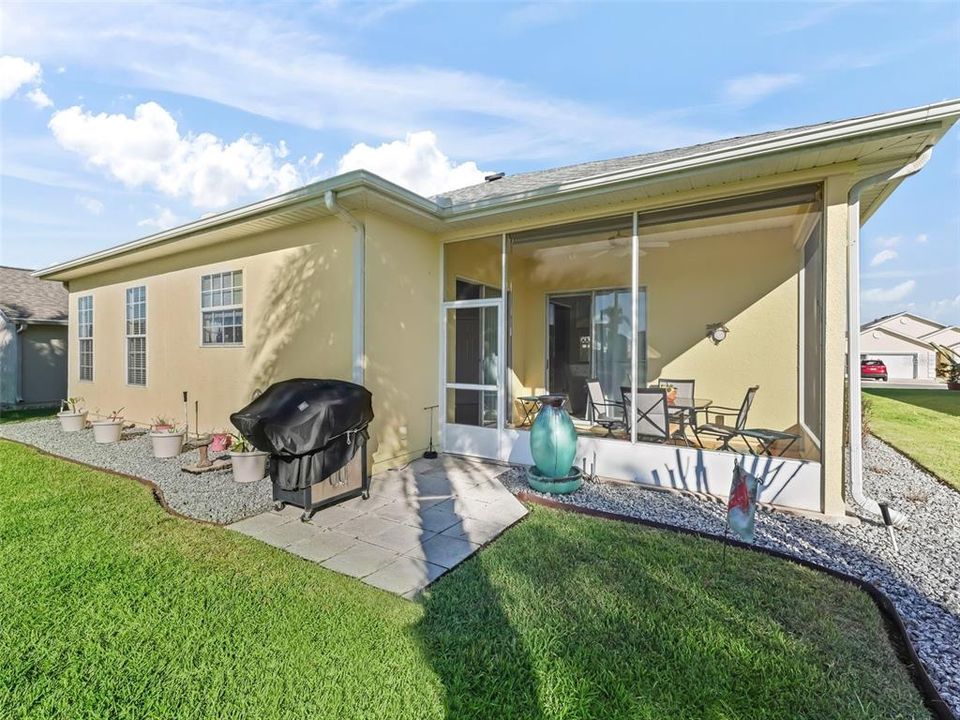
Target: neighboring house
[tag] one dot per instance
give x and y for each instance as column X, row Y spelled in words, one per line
column 33, row 338
column 905, row 342
column 474, row 299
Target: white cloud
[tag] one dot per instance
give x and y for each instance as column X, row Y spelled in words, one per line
column 883, row 256
column 162, row 220
column 39, row 98
column 888, row 241
column 416, row 163
column 15, row 72
column 893, row 294
column 90, row 204
column 273, row 65
column 921, row 238
column 748, row 89
column 148, row 150
column 939, row 307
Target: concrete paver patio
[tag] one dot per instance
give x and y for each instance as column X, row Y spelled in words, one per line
column 418, row 523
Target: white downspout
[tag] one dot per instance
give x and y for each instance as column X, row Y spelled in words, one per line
column 854, row 407
column 20, row 328
column 359, row 282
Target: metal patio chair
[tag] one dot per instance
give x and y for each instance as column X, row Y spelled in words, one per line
column 602, row 410
column 726, row 433
column 653, row 417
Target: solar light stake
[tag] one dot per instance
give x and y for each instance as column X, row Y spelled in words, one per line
column 885, row 511
column 430, row 453
column 186, row 416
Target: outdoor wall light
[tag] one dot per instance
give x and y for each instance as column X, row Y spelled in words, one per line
column 717, row 332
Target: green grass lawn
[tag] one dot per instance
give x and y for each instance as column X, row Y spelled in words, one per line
column 21, row 415
column 923, row 424
column 109, row 607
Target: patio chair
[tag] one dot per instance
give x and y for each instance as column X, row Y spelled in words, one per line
column 726, row 433
column 602, row 410
column 653, row 418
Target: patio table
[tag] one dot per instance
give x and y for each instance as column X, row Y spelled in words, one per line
column 530, row 405
column 685, row 409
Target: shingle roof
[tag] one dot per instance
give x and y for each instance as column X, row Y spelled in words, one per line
column 537, row 179
column 30, row 299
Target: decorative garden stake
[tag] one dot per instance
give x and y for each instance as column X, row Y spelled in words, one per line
column 553, row 444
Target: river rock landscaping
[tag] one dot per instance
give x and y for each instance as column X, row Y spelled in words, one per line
column 212, row 496
column 922, row 580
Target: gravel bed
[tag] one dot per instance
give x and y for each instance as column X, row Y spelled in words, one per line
column 922, row 580
column 212, row 496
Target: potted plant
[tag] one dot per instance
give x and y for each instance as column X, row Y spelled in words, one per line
column 166, row 437
column 107, row 430
column 220, row 442
column 73, row 416
column 249, row 464
column 671, row 393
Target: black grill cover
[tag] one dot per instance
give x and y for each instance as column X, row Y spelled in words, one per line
column 297, row 417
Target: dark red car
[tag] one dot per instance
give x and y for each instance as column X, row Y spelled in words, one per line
column 873, row 370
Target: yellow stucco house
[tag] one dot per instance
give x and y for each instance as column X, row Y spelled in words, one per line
column 616, row 271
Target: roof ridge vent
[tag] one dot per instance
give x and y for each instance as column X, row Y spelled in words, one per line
column 494, row 176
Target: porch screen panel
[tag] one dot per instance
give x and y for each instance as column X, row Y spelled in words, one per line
column 472, row 365
column 812, row 328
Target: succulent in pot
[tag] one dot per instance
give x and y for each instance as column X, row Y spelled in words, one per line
column 671, row 393
column 249, row 464
column 72, row 415
column 107, row 430
column 166, row 437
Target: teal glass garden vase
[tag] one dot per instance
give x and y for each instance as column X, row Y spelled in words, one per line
column 553, row 439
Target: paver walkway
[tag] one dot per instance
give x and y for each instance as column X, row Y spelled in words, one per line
column 418, row 523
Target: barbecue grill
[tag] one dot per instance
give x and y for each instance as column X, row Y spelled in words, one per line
column 316, row 434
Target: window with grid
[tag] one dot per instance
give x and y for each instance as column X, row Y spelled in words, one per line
column 221, row 308
column 137, row 335
column 85, row 335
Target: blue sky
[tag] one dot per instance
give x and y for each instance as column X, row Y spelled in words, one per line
column 118, row 120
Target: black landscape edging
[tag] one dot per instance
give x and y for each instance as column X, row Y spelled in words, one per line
column 902, row 645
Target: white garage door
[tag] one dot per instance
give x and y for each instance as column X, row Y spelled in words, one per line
column 899, row 366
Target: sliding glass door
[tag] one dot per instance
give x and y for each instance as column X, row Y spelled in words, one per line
column 588, row 336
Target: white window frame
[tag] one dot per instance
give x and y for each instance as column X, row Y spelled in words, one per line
column 128, row 336
column 82, row 338
column 210, row 309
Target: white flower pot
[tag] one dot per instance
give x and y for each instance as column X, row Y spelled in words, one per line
column 248, row 467
column 166, row 445
column 72, row 421
column 107, row 431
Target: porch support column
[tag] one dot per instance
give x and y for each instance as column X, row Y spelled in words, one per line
column 635, row 320
column 834, row 351
column 504, row 383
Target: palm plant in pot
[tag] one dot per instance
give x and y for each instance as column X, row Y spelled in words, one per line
column 249, row 464
column 166, row 437
column 107, row 430
column 72, row 415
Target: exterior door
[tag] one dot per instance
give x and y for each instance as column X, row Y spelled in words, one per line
column 471, row 399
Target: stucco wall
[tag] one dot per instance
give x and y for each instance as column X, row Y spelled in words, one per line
column 297, row 322
column 402, row 337
column 43, row 366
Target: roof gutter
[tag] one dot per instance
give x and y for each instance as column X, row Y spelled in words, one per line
column 359, row 281
column 854, row 406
